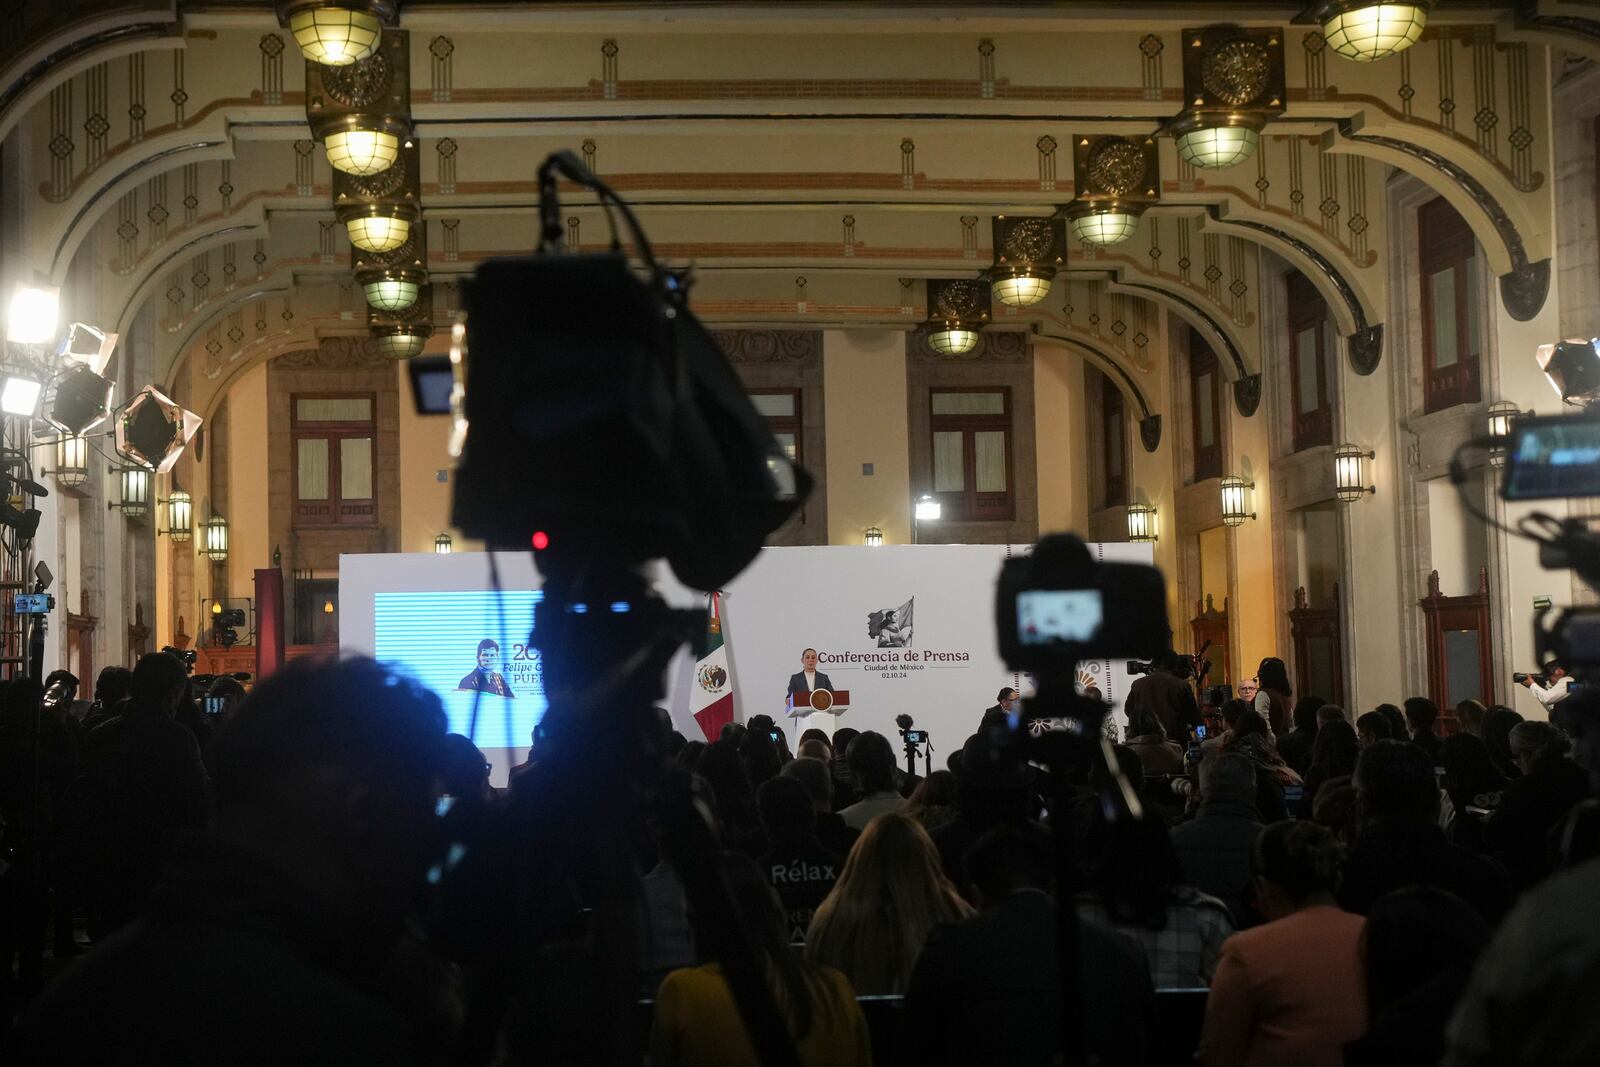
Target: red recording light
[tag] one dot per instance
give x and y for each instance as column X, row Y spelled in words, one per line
column 541, row 540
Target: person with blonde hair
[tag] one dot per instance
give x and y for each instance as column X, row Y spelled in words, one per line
column 892, row 893
column 697, row 1022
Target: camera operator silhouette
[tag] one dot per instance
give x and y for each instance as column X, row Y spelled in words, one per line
column 484, row 678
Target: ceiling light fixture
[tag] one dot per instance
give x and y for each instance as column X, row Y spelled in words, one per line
column 957, row 310
column 393, row 291
column 365, row 149
column 1233, row 84
column 1116, row 178
column 336, row 34
column 1364, row 31
column 377, row 228
column 401, row 342
column 1027, row 254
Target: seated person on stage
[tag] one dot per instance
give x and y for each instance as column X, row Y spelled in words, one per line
column 484, row 678
column 808, row 679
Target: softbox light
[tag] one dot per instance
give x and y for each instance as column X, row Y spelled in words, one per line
column 1573, row 368
column 82, row 400
column 88, row 346
column 152, row 430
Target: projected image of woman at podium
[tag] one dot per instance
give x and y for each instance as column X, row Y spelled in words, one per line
column 807, row 680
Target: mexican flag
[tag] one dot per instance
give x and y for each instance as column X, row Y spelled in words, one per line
column 711, row 700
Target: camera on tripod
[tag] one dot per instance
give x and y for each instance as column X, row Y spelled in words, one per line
column 224, row 627
column 1141, row 666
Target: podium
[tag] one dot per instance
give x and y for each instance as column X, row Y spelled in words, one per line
column 819, row 709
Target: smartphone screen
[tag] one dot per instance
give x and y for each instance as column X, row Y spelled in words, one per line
column 1200, row 731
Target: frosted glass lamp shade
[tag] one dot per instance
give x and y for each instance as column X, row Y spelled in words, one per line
column 1350, row 473
column 180, row 516
column 1141, row 522
column 1105, row 227
column 953, row 340
column 335, row 36
column 391, row 294
column 1368, row 32
column 379, row 233
column 402, row 345
column 362, row 152
column 72, row 460
column 1020, row 289
column 1217, row 147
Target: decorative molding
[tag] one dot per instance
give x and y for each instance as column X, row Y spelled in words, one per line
column 1247, row 394
column 999, row 346
column 1365, row 348
column 1523, row 291
column 769, row 346
column 337, row 353
column 1150, row 432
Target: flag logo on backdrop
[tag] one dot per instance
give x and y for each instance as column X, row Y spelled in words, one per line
column 712, row 700
column 891, row 627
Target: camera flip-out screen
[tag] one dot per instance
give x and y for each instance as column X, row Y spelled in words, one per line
column 1553, row 457
column 1045, row 616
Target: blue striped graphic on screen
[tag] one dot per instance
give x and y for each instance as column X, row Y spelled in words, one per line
column 436, row 636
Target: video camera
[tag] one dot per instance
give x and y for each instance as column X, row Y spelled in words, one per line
column 186, row 655
column 1538, row 679
column 1141, row 666
column 1057, row 606
column 1558, row 457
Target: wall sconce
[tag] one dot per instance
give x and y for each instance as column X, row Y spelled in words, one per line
column 1142, row 522
column 72, row 461
column 1350, row 474
column 180, row 517
column 216, row 542
column 443, row 545
column 1234, row 508
column 874, row 536
column 1503, row 415
column 135, row 483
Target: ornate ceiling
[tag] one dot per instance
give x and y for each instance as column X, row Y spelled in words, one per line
column 815, row 162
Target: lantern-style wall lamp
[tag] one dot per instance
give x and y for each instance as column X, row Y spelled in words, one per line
column 874, row 536
column 1235, row 504
column 216, row 538
column 444, row 544
column 1142, row 522
column 135, row 485
column 180, row 517
column 1350, row 473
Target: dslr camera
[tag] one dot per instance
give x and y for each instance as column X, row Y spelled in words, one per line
column 1057, row 606
column 1538, row 679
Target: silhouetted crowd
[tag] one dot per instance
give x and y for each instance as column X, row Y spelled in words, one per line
column 318, row 873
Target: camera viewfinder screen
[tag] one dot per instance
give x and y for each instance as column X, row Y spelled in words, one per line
column 1553, row 458
column 1048, row 616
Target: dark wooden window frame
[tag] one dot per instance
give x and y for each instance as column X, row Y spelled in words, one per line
column 786, row 424
column 1444, row 240
column 333, row 433
column 1308, row 311
column 1113, row 431
column 969, row 504
column 1203, row 359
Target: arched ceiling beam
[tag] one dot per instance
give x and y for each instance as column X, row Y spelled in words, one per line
column 72, row 49
column 1524, row 282
column 220, row 233
column 1363, row 338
